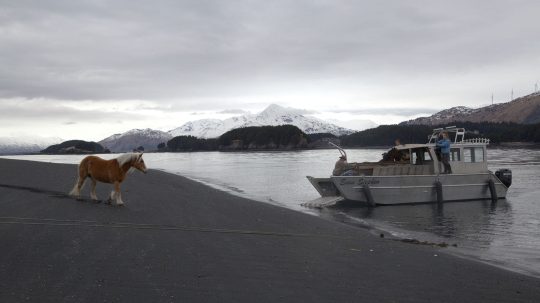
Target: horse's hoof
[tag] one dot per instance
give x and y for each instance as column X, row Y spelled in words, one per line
column 109, row 201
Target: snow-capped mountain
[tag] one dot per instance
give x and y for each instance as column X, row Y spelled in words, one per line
column 130, row 140
column 357, row 124
column 525, row 110
column 25, row 145
column 273, row 115
column 208, row 128
column 212, row 128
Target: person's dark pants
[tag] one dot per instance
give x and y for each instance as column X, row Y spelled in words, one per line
column 446, row 163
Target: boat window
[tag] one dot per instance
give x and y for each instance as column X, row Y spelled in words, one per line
column 420, row 156
column 454, row 154
column 479, row 154
column 473, row 154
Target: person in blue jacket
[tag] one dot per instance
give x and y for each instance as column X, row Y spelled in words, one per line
column 444, row 145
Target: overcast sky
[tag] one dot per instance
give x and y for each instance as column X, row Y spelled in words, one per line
column 88, row 69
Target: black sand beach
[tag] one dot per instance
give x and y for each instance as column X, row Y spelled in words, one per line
column 180, row 241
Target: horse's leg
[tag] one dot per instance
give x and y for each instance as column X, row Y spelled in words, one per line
column 93, row 192
column 117, row 194
column 111, row 197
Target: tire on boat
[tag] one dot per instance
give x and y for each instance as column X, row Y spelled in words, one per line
column 439, row 190
column 492, row 191
column 369, row 196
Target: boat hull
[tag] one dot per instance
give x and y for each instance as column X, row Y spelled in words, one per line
column 391, row 190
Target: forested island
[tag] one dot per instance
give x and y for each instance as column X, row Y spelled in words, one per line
column 75, row 147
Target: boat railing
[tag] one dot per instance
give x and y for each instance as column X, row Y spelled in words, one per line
column 459, row 136
column 476, row 140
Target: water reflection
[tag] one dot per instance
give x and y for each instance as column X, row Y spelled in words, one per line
column 499, row 233
column 456, row 220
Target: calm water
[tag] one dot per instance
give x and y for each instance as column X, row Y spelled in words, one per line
column 506, row 233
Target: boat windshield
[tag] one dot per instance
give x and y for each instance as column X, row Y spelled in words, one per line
column 420, row 156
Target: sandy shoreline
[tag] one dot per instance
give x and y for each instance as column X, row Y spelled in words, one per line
column 179, row 240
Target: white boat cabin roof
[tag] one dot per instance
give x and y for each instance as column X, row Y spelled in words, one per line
column 412, row 146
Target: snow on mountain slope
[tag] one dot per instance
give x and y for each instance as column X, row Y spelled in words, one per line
column 273, row 115
column 212, row 128
column 147, row 138
column 205, row 128
column 525, row 110
column 444, row 115
column 25, row 145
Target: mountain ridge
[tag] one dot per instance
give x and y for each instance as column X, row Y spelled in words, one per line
column 522, row 110
column 273, row 115
column 135, row 138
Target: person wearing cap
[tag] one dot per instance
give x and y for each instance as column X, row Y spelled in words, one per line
column 341, row 166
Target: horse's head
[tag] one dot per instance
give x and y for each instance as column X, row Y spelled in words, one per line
column 138, row 163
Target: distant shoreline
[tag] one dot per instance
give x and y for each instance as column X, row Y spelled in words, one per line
column 519, row 144
column 531, row 145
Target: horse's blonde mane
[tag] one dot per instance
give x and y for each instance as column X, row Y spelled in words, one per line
column 125, row 158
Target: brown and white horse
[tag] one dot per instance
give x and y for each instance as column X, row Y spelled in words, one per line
column 108, row 171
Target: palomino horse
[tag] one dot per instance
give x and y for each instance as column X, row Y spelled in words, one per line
column 108, row 171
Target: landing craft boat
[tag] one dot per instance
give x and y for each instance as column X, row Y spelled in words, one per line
column 416, row 176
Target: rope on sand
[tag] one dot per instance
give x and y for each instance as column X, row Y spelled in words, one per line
column 96, row 224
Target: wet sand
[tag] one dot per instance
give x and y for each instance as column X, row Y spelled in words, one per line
column 176, row 240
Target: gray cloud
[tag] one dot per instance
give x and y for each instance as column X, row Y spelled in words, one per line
column 40, row 110
column 401, row 111
column 76, row 50
column 303, row 111
column 233, row 111
column 151, row 64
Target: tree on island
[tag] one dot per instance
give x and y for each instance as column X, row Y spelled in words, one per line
column 264, row 137
column 75, row 147
column 190, row 143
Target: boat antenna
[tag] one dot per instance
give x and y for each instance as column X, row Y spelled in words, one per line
column 341, row 150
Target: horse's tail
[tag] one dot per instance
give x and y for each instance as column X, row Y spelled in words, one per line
column 82, row 172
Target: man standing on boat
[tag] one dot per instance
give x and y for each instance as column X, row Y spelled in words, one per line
column 444, row 145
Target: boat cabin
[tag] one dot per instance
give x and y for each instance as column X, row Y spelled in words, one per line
column 466, row 156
